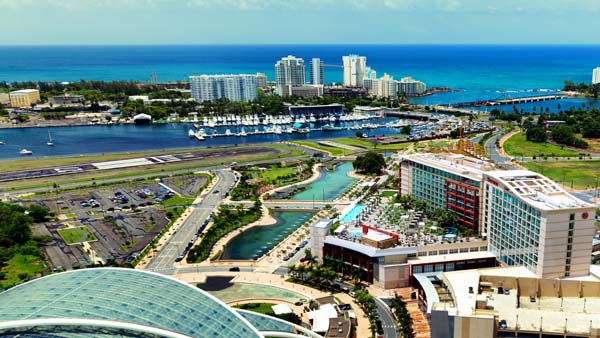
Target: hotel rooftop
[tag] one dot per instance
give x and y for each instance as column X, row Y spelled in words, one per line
column 539, row 191
column 455, row 163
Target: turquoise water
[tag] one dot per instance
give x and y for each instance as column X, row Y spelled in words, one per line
column 257, row 241
column 329, row 186
column 351, row 216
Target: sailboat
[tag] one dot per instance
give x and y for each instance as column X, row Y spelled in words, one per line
column 50, row 143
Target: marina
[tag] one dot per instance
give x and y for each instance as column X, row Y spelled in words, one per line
column 81, row 140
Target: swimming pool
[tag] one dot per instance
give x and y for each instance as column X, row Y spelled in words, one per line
column 352, row 214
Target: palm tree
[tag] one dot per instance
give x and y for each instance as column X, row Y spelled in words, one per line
column 309, row 258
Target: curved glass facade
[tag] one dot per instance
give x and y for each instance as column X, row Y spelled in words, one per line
column 125, row 296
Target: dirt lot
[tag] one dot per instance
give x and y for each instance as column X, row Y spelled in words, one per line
column 123, row 218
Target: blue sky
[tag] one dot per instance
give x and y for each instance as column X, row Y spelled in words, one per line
column 298, row 21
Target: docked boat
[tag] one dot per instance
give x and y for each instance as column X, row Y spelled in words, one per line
column 227, row 132
column 1, row 143
column 25, row 152
column 199, row 136
column 191, row 133
column 328, row 127
column 243, row 133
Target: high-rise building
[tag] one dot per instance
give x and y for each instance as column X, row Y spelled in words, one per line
column 531, row 221
column 289, row 71
column 355, row 67
column 528, row 219
column 214, row 87
column 411, row 87
column 596, row 75
column 317, row 72
column 261, row 80
column 385, row 86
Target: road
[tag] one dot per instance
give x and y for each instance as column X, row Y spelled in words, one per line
column 387, row 320
column 495, row 156
column 165, row 259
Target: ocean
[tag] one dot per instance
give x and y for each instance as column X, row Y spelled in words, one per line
column 480, row 71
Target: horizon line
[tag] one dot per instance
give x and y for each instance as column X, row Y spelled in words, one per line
column 290, row 44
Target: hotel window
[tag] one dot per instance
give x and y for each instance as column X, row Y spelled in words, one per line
column 418, row 269
column 453, row 251
column 482, row 248
column 429, row 268
column 450, row 266
column 474, row 249
column 464, row 249
column 443, row 252
column 432, row 253
column 439, row 267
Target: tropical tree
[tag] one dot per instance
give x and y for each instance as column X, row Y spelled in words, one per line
column 309, row 258
column 402, row 316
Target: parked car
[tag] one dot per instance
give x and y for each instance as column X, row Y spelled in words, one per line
column 235, row 268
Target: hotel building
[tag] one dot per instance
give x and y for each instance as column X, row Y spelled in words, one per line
column 289, row 72
column 232, row 87
column 528, row 219
column 531, row 221
column 24, row 97
column 596, row 75
column 446, row 181
column 317, row 72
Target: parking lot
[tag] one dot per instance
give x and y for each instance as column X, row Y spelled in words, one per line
column 122, row 218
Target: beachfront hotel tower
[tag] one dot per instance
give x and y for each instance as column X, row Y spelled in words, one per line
column 531, row 221
column 241, row 87
column 596, row 75
column 289, row 72
column 317, row 72
column 355, row 68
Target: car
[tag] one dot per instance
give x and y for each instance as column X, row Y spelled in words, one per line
column 532, row 299
column 235, row 268
column 352, row 294
column 302, row 259
column 345, row 289
column 503, row 324
column 339, row 279
column 298, row 303
column 216, row 192
column 507, row 291
column 179, row 258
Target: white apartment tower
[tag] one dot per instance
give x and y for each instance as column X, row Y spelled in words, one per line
column 214, row 87
column 596, row 75
column 317, row 72
column 289, row 72
column 355, row 68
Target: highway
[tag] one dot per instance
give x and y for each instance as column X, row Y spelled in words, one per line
column 492, row 151
column 164, row 260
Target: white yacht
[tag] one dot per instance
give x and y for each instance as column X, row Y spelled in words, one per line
column 199, row 136
column 191, row 133
column 227, row 132
column 243, row 132
column 25, row 152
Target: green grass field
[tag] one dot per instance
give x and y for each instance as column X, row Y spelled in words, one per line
column 582, row 174
column 389, row 193
column 332, row 150
column 264, row 308
column 517, row 145
column 21, row 267
column 76, row 235
column 272, row 174
column 177, row 200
